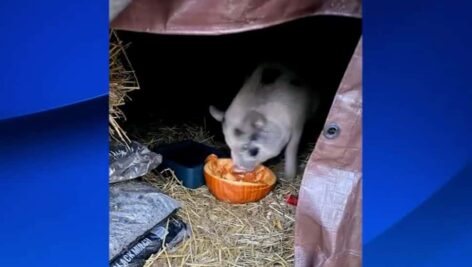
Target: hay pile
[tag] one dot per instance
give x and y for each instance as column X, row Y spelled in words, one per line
column 122, row 81
column 255, row 234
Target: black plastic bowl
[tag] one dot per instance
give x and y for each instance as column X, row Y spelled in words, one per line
column 187, row 159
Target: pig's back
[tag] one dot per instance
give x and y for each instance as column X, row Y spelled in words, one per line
column 276, row 92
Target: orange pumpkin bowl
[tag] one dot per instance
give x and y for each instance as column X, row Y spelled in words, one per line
column 236, row 191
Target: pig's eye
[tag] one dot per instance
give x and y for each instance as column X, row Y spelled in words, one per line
column 253, row 151
column 238, row 132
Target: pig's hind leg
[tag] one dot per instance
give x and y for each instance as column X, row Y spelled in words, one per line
column 291, row 152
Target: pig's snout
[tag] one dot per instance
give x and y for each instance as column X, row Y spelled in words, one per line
column 239, row 169
column 244, row 166
column 241, row 165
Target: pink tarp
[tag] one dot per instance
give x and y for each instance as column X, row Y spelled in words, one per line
column 222, row 16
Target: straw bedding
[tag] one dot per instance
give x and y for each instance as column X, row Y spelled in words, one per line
column 254, row 234
column 122, row 80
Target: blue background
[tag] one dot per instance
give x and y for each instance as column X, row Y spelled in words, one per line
column 54, row 135
column 417, row 149
column 54, row 155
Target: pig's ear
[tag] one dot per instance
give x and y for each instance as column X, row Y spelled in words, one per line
column 217, row 114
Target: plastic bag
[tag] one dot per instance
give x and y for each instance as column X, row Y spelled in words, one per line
column 127, row 163
column 136, row 254
column 135, row 208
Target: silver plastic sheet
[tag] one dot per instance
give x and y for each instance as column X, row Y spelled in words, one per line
column 135, row 208
column 133, row 161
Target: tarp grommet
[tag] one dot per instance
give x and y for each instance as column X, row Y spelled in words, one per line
column 331, row 130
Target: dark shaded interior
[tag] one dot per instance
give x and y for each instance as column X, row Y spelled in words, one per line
column 188, row 153
column 180, row 76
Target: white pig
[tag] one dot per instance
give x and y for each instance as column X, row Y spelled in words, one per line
column 266, row 116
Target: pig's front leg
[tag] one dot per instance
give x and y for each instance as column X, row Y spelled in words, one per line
column 291, row 152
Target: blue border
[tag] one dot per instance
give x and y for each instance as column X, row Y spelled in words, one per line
column 54, row 133
column 417, row 125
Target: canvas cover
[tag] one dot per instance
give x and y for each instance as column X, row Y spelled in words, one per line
column 329, row 215
column 219, row 16
column 328, row 225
